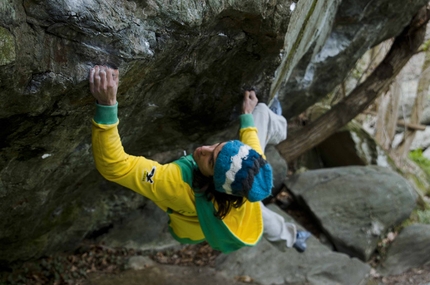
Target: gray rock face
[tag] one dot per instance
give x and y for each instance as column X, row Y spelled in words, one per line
column 354, row 205
column 279, row 166
column 331, row 55
column 266, row 264
column 143, row 229
column 410, row 249
column 182, row 67
column 309, row 28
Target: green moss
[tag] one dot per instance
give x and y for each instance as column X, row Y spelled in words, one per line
column 425, row 46
column 424, row 216
column 424, row 163
column 417, row 182
column 7, row 47
column 418, row 217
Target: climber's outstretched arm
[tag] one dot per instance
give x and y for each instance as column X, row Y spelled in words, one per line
column 147, row 177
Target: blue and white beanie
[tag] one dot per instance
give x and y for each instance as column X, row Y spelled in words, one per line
column 241, row 171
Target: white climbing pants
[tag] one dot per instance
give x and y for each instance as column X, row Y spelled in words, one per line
column 272, row 129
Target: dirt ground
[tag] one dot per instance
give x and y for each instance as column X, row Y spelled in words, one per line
column 101, row 265
column 416, row 276
column 97, row 264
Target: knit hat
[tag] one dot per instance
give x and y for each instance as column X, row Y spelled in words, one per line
column 241, row 171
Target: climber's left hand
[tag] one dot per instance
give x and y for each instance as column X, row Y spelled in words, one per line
column 250, row 100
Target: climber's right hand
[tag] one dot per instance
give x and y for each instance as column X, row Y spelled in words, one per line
column 104, row 84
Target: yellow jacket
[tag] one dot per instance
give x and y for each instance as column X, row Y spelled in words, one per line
column 169, row 187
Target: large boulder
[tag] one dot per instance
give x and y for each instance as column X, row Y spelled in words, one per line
column 267, row 265
column 352, row 146
column 172, row 98
column 354, row 205
column 410, row 249
column 183, row 65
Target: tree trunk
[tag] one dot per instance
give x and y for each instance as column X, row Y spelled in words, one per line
column 393, row 110
column 403, row 48
column 387, row 116
column 417, row 109
column 380, row 130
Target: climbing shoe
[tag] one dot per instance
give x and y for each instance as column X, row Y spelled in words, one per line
column 301, row 237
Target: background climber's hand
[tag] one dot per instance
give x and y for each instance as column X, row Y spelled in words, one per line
column 104, row 84
column 250, row 100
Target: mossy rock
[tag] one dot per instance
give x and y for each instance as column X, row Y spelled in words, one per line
column 7, row 47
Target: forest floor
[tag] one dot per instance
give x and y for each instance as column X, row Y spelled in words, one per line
column 98, row 260
column 92, row 260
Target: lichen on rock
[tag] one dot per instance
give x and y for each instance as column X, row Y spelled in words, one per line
column 7, row 47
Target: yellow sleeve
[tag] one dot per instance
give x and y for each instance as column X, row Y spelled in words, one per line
column 248, row 133
column 144, row 176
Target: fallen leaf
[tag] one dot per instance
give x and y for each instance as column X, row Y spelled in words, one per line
column 391, row 236
column 244, row 279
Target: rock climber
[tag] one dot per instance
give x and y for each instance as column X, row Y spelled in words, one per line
column 212, row 195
